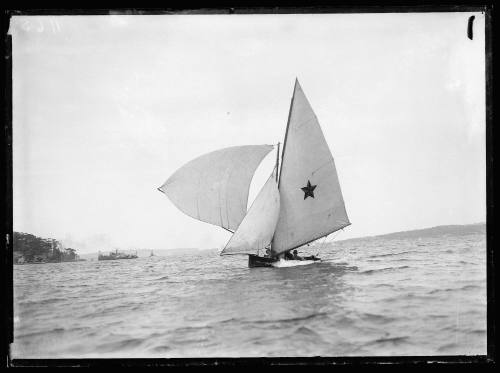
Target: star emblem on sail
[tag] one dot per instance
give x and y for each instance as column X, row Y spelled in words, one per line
column 309, row 190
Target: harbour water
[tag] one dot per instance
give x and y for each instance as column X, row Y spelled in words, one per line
column 368, row 297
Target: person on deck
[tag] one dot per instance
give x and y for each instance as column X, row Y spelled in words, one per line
column 296, row 256
column 288, row 256
column 267, row 254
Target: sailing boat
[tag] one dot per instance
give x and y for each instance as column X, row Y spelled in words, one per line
column 296, row 206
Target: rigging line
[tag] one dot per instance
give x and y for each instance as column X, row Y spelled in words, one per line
column 315, row 239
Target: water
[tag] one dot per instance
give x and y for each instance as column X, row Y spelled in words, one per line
column 424, row 296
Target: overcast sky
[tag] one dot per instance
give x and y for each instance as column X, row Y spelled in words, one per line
column 106, row 108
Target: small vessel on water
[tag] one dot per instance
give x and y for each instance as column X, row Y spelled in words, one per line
column 151, row 253
column 116, row 255
column 296, row 206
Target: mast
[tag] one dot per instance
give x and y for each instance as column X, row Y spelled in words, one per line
column 287, row 126
column 277, row 161
column 278, row 174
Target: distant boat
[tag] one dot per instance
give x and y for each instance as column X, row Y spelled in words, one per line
column 295, row 207
column 151, row 253
column 115, row 255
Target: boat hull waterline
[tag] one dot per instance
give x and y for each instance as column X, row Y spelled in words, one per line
column 260, row 261
column 282, row 263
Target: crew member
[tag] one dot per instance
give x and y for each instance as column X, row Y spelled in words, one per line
column 296, row 256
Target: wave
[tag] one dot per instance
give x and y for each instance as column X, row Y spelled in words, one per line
column 162, row 278
column 129, row 343
column 471, row 287
column 370, row 271
column 383, row 286
column 161, row 349
column 304, row 330
column 392, row 254
column 395, row 340
column 478, row 331
column 42, row 332
column 167, row 280
column 191, row 341
column 191, row 328
column 441, row 290
column 448, row 346
column 433, row 316
column 42, row 302
column 52, row 331
column 447, row 290
column 376, row 318
column 273, row 321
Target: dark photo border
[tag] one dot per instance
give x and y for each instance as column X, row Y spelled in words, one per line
column 492, row 229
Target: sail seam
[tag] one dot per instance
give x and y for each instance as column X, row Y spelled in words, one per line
column 320, row 167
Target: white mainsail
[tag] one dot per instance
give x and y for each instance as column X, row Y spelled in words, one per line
column 214, row 187
column 257, row 228
column 311, row 203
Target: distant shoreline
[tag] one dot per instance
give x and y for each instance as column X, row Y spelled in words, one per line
column 456, row 229
column 31, row 249
column 439, row 230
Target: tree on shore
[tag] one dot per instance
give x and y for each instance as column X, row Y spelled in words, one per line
column 33, row 249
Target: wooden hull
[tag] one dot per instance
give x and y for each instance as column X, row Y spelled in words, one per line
column 260, row 261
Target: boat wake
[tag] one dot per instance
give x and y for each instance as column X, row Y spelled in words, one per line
column 293, row 263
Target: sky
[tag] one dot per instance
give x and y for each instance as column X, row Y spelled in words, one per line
column 106, row 108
